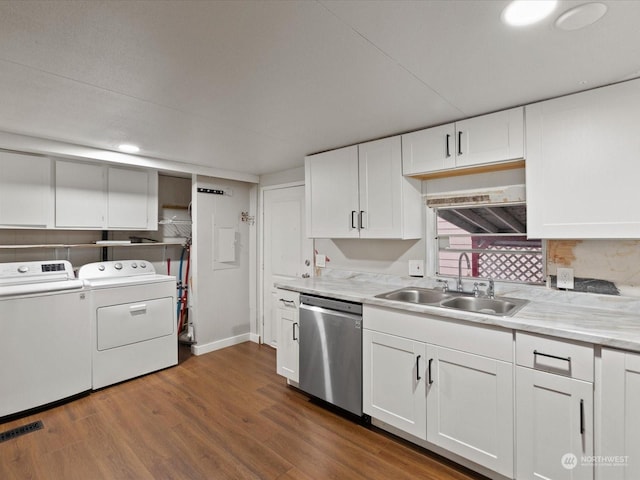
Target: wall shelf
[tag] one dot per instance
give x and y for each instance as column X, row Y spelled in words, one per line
column 88, row 245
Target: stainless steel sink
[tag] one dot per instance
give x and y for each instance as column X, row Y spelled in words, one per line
column 416, row 295
column 501, row 306
column 492, row 306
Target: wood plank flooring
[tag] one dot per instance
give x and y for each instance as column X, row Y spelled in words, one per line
column 223, row 415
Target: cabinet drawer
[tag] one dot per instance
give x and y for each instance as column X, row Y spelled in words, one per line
column 563, row 357
column 287, row 299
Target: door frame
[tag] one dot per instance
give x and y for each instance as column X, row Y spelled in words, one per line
column 260, row 290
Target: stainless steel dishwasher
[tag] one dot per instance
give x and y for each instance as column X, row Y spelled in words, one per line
column 331, row 351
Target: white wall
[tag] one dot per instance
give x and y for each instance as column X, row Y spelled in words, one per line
column 221, row 294
column 390, row 257
column 285, row 176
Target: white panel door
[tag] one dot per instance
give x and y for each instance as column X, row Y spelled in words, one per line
column 80, row 191
column 393, row 383
column 582, row 173
column 428, row 150
column 470, row 407
column 332, row 194
column 128, row 198
column 25, row 190
column 496, row 137
column 554, row 426
column 380, row 180
column 620, row 416
column 287, row 252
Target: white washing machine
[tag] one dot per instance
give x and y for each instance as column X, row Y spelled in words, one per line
column 44, row 343
column 133, row 320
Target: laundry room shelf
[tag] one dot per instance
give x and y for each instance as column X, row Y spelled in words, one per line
column 87, row 245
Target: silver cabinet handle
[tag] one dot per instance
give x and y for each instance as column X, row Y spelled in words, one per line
column 361, row 219
column 581, row 417
column 353, row 220
column 287, row 302
column 460, row 142
column 294, row 331
column 447, row 137
column 418, row 377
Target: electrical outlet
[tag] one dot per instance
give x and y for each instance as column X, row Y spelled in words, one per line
column 416, row 268
column 321, row 260
column 565, row 278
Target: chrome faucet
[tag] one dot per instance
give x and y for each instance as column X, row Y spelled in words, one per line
column 459, row 283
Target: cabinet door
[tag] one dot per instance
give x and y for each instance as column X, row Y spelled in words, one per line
column 490, row 138
column 582, row 177
column 81, row 201
column 620, row 415
column 25, row 190
column 428, row 150
column 380, row 167
column 393, row 388
column 287, row 356
column 470, row 407
column 554, row 426
column 128, row 196
column 332, row 194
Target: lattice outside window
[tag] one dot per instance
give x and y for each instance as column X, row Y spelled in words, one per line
column 495, row 241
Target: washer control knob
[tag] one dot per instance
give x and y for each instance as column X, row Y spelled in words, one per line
column 143, row 265
column 101, row 268
column 23, row 269
column 118, row 266
column 134, row 265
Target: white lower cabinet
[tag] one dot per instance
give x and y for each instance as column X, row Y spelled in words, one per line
column 554, row 408
column 449, row 393
column 470, row 407
column 286, row 305
column 620, row 416
column 393, row 384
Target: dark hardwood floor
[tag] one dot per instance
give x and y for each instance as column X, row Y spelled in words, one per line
column 222, row 415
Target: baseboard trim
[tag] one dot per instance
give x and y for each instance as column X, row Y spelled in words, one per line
column 219, row 344
column 254, row 337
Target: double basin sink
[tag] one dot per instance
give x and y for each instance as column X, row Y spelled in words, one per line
column 502, row 306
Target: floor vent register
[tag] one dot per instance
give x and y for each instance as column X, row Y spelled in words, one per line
column 19, row 431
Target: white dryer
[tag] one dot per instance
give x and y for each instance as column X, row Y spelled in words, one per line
column 133, row 320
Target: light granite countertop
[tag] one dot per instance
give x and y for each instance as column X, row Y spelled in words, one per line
column 599, row 319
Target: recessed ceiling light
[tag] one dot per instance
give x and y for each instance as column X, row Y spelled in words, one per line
column 127, row 147
column 526, row 12
column 581, row 16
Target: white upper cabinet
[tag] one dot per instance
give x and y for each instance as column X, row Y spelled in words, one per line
column 332, row 194
column 131, row 198
column 80, row 198
column 26, row 198
column 488, row 139
column 92, row 196
column 582, row 166
column 359, row 192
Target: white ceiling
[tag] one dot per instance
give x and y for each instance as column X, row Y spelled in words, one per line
column 254, row 86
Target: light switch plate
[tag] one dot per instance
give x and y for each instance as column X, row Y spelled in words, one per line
column 416, row 268
column 321, row 260
column 565, row 278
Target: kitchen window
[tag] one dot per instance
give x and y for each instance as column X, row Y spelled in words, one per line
column 494, row 238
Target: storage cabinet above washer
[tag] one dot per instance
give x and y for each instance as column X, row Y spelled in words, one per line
column 93, row 196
